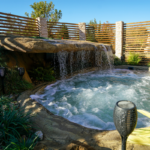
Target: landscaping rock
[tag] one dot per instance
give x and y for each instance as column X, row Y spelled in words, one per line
column 32, row 45
column 39, row 134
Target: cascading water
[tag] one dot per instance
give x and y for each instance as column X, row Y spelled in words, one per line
column 108, row 54
column 71, row 61
column 81, row 60
column 98, row 58
column 62, row 58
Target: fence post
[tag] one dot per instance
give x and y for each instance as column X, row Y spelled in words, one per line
column 82, row 31
column 42, row 25
column 119, row 39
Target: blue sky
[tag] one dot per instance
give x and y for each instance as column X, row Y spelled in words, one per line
column 75, row 11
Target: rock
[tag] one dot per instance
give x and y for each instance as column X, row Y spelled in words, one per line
column 59, row 133
column 32, row 45
column 39, row 134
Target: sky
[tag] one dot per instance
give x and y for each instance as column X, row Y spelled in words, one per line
column 75, row 11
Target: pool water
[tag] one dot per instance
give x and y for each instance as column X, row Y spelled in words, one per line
column 89, row 99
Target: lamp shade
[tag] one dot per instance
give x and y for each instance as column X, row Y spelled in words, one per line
column 21, row 71
column 2, row 71
column 125, row 119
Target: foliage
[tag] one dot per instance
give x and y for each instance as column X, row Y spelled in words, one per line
column 45, row 10
column 4, row 101
column 148, row 64
column 14, row 127
column 118, row 61
column 42, row 74
column 13, row 83
column 22, row 143
column 90, row 32
column 141, row 136
column 99, row 32
column 133, row 59
column 3, row 57
column 13, row 122
column 64, row 32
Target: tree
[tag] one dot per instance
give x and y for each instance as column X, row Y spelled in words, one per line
column 45, row 10
column 99, row 32
column 64, row 33
column 90, row 32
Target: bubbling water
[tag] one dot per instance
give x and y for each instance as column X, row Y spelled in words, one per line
column 89, row 99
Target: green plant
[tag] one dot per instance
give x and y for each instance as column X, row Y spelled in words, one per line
column 13, row 122
column 4, row 104
column 14, row 83
column 148, row 64
column 17, row 143
column 3, row 57
column 118, row 61
column 133, row 59
column 42, row 74
column 4, row 100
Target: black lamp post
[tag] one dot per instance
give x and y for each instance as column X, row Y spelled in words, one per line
column 21, row 71
column 2, row 75
column 125, row 119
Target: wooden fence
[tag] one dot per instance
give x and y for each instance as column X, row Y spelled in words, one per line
column 136, row 38
column 101, row 33
column 59, row 30
column 18, row 25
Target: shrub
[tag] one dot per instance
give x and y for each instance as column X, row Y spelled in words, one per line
column 13, row 83
column 148, row 64
column 118, row 61
column 42, row 74
column 133, row 59
column 22, row 143
column 12, row 123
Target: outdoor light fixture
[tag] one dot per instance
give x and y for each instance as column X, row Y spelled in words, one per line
column 21, row 71
column 2, row 75
column 125, row 119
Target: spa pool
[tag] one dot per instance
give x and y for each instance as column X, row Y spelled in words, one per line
column 89, row 99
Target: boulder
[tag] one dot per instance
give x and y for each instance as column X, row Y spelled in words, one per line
column 32, row 45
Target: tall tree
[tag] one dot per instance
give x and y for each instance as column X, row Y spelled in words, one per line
column 45, row 10
column 90, row 32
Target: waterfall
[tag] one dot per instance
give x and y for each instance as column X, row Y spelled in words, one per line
column 62, row 58
column 98, row 57
column 82, row 59
column 69, row 60
column 108, row 54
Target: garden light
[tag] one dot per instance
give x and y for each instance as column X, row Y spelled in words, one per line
column 21, row 71
column 2, row 75
column 125, row 119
